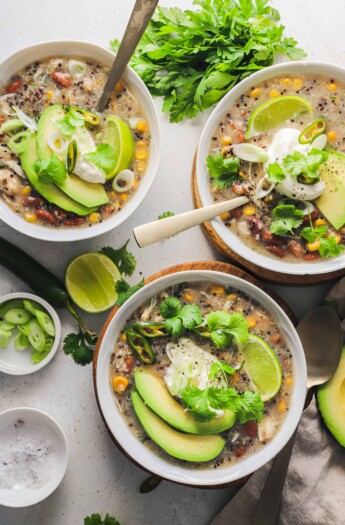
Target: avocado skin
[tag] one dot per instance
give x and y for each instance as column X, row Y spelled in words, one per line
column 179, row 445
column 330, row 397
column 156, row 395
column 332, row 201
column 88, row 194
column 49, row 191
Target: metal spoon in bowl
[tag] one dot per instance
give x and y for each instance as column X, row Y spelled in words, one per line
column 322, row 339
column 139, row 19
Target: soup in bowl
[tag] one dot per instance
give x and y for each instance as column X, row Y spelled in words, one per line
column 200, row 378
column 278, row 139
column 67, row 171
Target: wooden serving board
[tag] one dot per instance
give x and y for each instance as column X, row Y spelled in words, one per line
column 200, row 265
column 262, row 273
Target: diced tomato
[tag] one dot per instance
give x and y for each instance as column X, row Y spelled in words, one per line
column 61, row 78
column 251, row 429
column 274, row 339
column 14, row 86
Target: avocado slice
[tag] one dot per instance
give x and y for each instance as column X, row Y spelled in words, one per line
column 177, row 444
column 87, row 193
column 156, row 395
column 332, row 201
column 48, row 191
column 330, row 397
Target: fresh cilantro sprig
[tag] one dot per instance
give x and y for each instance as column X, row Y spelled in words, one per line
column 275, row 173
column 104, row 157
column 305, row 168
column 220, row 366
column 203, row 404
column 328, row 245
column 96, row 519
column 80, row 346
column 70, row 122
column 50, row 171
column 222, row 170
column 178, row 317
column 124, row 260
column 193, row 58
column 165, row 214
column 286, row 218
column 224, row 327
column 125, row 290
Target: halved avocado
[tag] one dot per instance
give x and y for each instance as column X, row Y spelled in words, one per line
column 182, row 446
column 331, row 400
column 48, row 191
column 87, row 193
column 158, row 398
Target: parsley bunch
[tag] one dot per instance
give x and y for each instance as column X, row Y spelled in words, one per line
column 193, row 57
column 96, row 519
column 222, row 170
column 178, row 317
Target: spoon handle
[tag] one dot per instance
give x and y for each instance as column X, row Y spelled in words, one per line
column 162, row 229
column 140, row 17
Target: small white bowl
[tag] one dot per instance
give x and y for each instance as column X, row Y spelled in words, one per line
column 48, row 428
column 30, row 54
column 141, row 454
column 19, row 363
column 230, row 239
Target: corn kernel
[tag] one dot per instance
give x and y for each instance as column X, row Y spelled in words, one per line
column 256, row 92
column 224, row 216
column 331, row 136
column 30, row 217
column 248, row 210
column 141, row 166
column 188, row 296
column 124, row 197
column 226, row 151
column 49, row 95
column 282, row 405
column 269, row 198
column 287, row 82
column 120, row 384
column 274, row 93
column 314, row 246
column 226, row 140
column 26, row 190
column 123, row 336
column 320, row 222
column 332, row 86
column 231, row 297
column 251, row 321
column 141, row 144
column 141, row 154
column 217, row 290
column 297, row 83
column 242, row 175
column 94, row 217
column 289, row 380
column 141, row 125
column 112, row 195
column 119, row 86
column 135, row 182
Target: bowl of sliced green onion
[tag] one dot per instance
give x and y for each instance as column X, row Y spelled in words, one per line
column 30, row 333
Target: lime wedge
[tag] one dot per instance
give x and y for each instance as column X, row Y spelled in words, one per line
column 274, row 112
column 118, row 135
column 262, row 366
column 90, row 281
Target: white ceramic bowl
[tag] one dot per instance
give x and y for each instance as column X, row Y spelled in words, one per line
column 145, row 457
column 19, row 363
column 50, row 430
column 230, row 239
column 104, row 56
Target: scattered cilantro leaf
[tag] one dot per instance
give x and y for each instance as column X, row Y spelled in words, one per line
column 50, row 171
column 224, row 326
column 305, row 167
column 104, row 157
column 190, row 316
column 170, row 307
column 80, row 346
column 178, row 317
column 194, row 57
column 275, row 173
column 249, row 406
column 311, row 234
column 174, row 326
column 165, row 214
column 70, row 122
column 124, row 260
column 96, row 519
column 330, row 248
column 222, row 170
column 287, row 217
column 125, row 291
column 220, row 366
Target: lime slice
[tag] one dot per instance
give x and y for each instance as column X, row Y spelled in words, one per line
column 276, row 111
column 90, row 281
column 262, row 366
column 118, row 135
column 250, row 152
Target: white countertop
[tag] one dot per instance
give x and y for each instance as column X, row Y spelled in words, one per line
column 99, row 478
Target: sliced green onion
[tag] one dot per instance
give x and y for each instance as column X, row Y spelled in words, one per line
column 320, row 142
column 11, row 125
column 21, row 342
column 19, row 141
column 76, row 68
column 36, row 336
column 72, row 152
column 46, row 322
column 9, row 305
column 6, row 327
column 24, row 329
column 32, row 306
column 123, row 181
column 4, row 339
column 313, row 130
column 17, row 316
column 250, row 153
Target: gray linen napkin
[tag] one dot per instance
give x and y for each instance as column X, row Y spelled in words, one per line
column 314, row 490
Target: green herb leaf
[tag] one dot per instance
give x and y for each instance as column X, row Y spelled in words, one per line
column 311, row 234
column 124, row 260
column 50, row 171
column 104, row 157
column 125, row 291
column 70, row 122
column 222, row 170
column 224, row 326
column 96, row 519
column 221, row 366
column 178, row 317
column 249, row 406
column 170, row 307
column 80, row 346
column 305, row 167
column 165, row 214
column 275, row 173
column 287, row 217
column 330, row 248
column 174, row 326
column 190, row 316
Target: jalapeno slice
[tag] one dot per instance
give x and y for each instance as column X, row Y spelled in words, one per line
column 72, row 153
column 150, row 329
column 141, row 348
column 312, row 131
column 89, row 116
